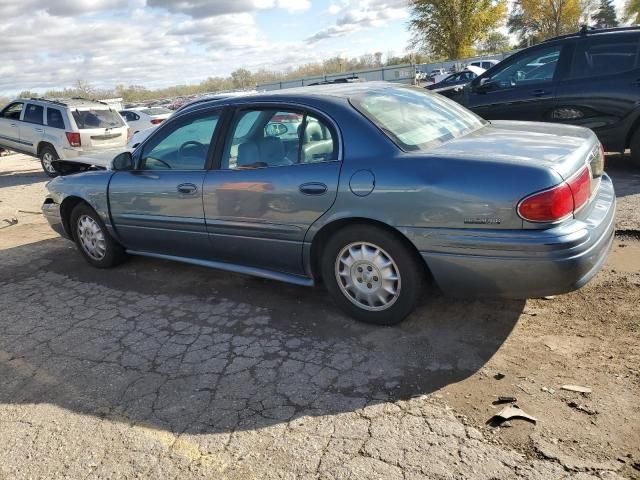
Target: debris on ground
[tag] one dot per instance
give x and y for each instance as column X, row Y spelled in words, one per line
column 511, row 412
column 523, row 389
column 548, row 390
column 499, row 376
column 8, row 222
column 582, row 408
column 505, row 400
column 576, row 388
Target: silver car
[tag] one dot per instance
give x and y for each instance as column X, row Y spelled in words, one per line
column 381, row 188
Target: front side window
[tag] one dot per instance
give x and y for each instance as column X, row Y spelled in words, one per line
column 88, row 119
column 54, row 118
column 605, row 55
column 272, row 138
column 531, row 68
column 183, row 147
column 13, row 111
column 34, row 114
column 415, row 119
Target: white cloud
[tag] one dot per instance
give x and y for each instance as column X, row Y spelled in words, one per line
column 294, row 5
column 354, row 15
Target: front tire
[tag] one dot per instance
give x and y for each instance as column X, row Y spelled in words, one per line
column 371, row 274
column 93, row 239
column 48, row 157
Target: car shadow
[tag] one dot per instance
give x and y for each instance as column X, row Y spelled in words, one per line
column 189, row 349
column 625, row 176
column 19, row 178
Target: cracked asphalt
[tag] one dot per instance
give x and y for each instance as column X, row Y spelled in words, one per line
column 162, row 370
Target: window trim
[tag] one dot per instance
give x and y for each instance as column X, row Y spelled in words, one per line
column 175, row 124
column 294, row 107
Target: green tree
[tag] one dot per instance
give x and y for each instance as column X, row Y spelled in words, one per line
column 494, row 42
column 632, row 11
column 606, row 16
column 28, row 94
column 450, row 28
column 242, row 78
column 536, row 20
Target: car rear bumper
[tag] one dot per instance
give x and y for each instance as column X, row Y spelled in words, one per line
column 521, row 263
column 51, row 212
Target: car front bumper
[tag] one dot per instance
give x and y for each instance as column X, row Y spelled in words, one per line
column 51, row 212
column 521, row 263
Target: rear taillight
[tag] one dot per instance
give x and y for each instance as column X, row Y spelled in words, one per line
column 129, row 134
column 558, row 202
column 156, row 121
column 74, row 139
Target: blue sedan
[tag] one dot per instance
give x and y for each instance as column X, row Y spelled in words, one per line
column 369, row 188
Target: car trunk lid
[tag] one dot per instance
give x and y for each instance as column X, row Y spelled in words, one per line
column 563, row 148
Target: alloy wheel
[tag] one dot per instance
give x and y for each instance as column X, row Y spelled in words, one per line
column 91, row 237
column 368, row 276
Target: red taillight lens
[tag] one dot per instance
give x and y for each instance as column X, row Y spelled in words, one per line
column 156, row 121
column 129, row 134
column 557, row 202
column 580, row 185
column 74, row 139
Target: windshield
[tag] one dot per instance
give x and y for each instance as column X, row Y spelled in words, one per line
column 87, row 119
column 415, row 119
column 156, row 111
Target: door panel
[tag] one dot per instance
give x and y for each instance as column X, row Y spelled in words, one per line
column 259, row 217
column 152, row 211
column 9, row 126
column 158, row 207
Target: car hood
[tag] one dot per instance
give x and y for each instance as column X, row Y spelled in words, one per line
column 564, row 148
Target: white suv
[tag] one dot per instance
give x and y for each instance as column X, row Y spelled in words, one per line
column 59, row 131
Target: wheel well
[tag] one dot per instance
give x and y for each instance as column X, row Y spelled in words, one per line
column 41, row 146
column 67, row 206
column 320, row 240
column 634, row 128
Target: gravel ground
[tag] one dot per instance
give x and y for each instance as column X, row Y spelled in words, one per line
column 163, row 370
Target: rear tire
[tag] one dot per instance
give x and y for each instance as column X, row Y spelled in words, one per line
column 93, row 239
column 48, row 157
column 634, row 145
column 372, row 275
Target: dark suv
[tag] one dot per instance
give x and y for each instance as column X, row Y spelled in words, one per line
column 590, row 78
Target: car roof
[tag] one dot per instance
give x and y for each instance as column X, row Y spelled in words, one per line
column 300, row 94
column 74, row 102
column 586, row 32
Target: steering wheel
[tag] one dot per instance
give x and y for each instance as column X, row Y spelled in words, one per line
column 187, row 144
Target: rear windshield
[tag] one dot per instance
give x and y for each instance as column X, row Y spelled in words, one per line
column 415, row 119
column 156, row 111
column 87, row 119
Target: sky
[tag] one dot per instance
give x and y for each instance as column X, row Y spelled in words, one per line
column 49, row 44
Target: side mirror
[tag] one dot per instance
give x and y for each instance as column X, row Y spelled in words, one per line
column 484, row 85
column 123, row 162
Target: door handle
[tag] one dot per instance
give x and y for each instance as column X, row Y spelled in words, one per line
column 538, row 93
column 13, row 125
column 187, row 188
column 313, row 188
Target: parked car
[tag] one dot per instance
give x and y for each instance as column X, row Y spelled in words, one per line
column 384, row 186
column 484, row 64
column 590, row 78
column 59, row 131
column 140, row 119
column 451, row 86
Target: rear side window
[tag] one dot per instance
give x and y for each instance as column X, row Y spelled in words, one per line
column 87, row 119
column 54, row 118
column 34, row 114
column 605, row 55
column 415, row 119
column 529, row 68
